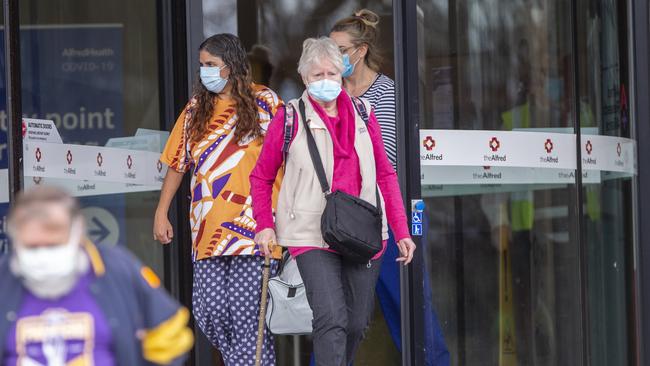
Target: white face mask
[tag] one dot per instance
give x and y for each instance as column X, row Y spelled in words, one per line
column 52, row 271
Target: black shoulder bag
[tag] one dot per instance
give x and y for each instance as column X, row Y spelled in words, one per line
column 349, row 225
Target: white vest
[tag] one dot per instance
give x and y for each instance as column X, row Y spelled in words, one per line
column 302, row 201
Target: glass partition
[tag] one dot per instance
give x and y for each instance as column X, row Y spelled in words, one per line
column 498, row 179
column 506, row 226
column 608, row 215
column 90, row 77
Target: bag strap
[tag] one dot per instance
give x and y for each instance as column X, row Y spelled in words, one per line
column 313, row 151
column 316, row 160
column 289, row 128
column 286, row 257
column 360, row 106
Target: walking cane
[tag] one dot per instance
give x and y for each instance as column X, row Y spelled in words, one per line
column 261, row 324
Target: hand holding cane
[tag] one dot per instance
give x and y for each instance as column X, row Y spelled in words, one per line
column 261, row 325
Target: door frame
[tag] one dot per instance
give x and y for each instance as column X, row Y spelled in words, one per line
column 639, row 31
column 408, row 168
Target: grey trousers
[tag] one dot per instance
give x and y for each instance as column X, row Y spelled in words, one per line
column 342, row 296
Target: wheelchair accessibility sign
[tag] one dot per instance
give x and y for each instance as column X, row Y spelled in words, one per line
column 417, row 213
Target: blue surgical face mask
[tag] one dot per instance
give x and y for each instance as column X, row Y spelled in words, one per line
column 212, row 80
column 348, row 68
column 325, row 90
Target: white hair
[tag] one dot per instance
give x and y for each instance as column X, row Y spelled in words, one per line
column 314, row 50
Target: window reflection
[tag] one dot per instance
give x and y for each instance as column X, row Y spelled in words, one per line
column 85, row 69
column 503, row 258
column 507, row 256
column 608, row 211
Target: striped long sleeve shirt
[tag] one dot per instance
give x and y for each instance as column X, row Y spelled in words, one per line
column 381, row 95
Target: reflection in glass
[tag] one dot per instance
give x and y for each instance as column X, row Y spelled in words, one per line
column 504, row 258
column 92, row 68
column 608, row 209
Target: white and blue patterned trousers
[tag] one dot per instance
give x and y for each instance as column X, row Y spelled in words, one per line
column 226, row 305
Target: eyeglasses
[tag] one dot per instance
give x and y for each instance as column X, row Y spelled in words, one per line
column 345, row 50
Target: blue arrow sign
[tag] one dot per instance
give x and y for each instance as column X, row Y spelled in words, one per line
column 100, row 233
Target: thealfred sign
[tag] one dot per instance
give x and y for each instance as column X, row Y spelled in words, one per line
column 429, row 144
column 534, row 149
column 497, row 148
column 68, row 161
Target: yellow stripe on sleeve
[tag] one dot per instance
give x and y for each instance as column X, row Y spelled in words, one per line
column 169, row 340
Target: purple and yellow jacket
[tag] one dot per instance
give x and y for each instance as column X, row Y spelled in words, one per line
column 148, row 326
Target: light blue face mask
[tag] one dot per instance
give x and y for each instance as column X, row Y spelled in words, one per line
column 212, row 80
column 348, row 68
column 325, row 90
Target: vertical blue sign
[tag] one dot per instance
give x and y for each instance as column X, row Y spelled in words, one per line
column 417, row 212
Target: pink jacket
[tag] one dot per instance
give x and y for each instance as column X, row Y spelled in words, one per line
column 347, row 177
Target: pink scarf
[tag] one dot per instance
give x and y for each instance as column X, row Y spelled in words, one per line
column 340, row 127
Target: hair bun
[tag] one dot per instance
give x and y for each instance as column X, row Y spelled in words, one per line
column 368, row 17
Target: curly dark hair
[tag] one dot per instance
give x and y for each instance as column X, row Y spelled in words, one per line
column 230, row 49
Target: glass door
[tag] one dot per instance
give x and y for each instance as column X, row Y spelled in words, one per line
column 609, row 149
column 528, row 240
column 498, row 165
column 90, row 98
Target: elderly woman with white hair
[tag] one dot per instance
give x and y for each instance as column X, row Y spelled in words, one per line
column 347, row 135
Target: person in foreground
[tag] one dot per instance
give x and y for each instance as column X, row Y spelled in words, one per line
column 66, row 301
column 340, row 292
column 218, row 138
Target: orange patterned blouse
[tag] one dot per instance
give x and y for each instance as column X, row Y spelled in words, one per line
column 221, row 215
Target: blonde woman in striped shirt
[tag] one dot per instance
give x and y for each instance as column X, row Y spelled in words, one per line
column 357, row 38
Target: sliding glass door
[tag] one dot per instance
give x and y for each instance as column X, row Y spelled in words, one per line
column 528, row 227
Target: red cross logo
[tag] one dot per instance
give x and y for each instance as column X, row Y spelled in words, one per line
column 429, row 143
column 24, row 129
column 100, row 159
column 68, row 157
column 38, row 154
column 159, row 166
column 129, row 162
column 548, row 145
column 495, row 144
column 589, row 147
column 619, row 150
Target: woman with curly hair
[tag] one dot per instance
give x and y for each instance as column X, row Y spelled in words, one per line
column 218, row 138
